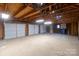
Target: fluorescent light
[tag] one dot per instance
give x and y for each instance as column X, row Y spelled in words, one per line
column 58, row 26
column 48, row 22
column 5, row 16
column 40, row 21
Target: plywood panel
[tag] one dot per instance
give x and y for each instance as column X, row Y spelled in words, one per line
column 1, row 30
column 14, row 7
column 31, row 14
column 73, row 28
column 24, row 11
column 2, row 7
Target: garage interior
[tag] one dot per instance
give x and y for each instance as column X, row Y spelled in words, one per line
column 39, row 29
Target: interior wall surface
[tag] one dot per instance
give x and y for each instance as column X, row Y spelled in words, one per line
column 1, row 30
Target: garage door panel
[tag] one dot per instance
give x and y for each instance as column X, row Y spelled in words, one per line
column 42, row 29
column 31, row 29
column 13, row 30
column 36, row 29
column 10, row 30
column 20, row 30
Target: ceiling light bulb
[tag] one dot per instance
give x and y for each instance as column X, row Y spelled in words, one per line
column 40, row 21
column 48, row 22
column 5, row 16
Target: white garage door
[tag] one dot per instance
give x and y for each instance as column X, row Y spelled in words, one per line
column 14, row 30
column 42, row 29
column 36, row 29
column 10, row 30
column 31, row 29
column 20, row 30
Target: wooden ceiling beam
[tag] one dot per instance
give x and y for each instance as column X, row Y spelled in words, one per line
column 36, row 12
column 24, row 11
column 34, row 16
column 57, row 10
column 76, row 5
column 2, row 7
column 19, row 9
column 22, row 17
column 67, row 12
column 33, row 19
column 68, row 20
column 14, row 8
column 69, row 6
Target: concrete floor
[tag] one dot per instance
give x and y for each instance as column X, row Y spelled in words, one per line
column 41, row 45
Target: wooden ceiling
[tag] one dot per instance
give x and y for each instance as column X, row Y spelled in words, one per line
column 29, row 12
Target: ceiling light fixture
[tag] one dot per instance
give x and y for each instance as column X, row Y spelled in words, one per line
column 47, row 22
column 40, row 21
column 5, row 16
